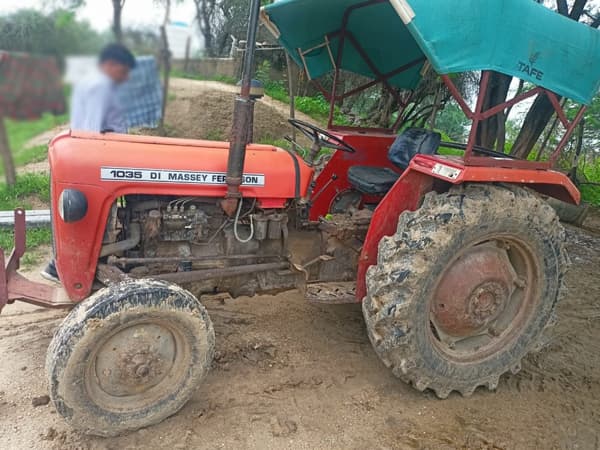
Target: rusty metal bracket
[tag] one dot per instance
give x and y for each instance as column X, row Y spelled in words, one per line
column 14, row 286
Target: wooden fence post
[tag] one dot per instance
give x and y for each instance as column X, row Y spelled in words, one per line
column 7, row 159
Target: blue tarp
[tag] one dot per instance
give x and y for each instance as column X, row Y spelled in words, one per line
column 141, row 95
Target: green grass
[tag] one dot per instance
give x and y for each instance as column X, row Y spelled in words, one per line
column 20, row 132
column 214, row 135
column 36, row 237
column 590, row 194
column 31, row 154
column 29, row 186
column 193, row 76
column 316, row 107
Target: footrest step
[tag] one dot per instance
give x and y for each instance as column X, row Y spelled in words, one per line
column 332, row 293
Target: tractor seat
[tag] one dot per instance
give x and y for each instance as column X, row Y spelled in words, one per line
column 379, row 180
column 372, row 180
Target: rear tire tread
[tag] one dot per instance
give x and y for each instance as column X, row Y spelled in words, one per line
column 406, row 258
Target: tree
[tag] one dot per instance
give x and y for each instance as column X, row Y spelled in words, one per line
column 542, row 110
column 56, row 34
column 65, row 4
column 219, row 20
column 117, row 13
column 452, row 121
column 492, row 130
column 206, row 13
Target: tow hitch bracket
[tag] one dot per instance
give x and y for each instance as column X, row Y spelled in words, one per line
column 14, row 286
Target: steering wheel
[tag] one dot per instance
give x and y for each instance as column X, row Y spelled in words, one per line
column 320, row 137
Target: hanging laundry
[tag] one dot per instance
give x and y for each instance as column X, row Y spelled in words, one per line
column 141, row 95
column 30, row 85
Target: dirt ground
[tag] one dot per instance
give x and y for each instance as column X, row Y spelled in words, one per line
column 292, row 375
column 203, row 110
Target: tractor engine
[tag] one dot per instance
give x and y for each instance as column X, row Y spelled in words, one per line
column 149, row 236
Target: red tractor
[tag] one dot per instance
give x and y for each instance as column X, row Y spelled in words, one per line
column 457, row 260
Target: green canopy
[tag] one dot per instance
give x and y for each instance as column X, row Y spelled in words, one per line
column 517, row 37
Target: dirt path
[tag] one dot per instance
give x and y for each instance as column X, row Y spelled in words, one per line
column 191, row 88
column 203, row 110
column 292, row 375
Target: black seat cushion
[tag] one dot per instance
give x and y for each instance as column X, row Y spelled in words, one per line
column 411, row 142
column 372, row 180
column 379, row 180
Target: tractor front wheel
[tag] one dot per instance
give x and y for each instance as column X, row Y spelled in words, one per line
column 465, row 287
column 129, row 356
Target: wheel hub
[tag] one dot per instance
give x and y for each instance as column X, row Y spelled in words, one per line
column 473, row 291
column 486, row 301
column 135, row 359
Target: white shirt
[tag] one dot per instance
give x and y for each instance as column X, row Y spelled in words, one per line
column 95, row 106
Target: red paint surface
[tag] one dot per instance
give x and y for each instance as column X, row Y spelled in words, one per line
column 371, row 150
column 417, row 181
column 548, row 182
column 76, row 160
column 404, row 195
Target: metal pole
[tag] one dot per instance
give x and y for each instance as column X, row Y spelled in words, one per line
column 288, row 62
column 242, row 119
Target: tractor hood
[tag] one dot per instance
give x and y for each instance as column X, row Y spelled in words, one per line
column 97, row 169
column 124, row 164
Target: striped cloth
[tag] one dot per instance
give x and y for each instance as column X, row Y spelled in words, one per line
column 141, row 95
column 30, row 85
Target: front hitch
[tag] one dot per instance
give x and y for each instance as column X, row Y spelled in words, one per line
column 14, row 286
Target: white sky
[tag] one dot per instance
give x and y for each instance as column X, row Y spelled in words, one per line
column 136, row 13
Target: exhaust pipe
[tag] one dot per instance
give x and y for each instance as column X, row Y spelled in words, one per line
column 242, row 120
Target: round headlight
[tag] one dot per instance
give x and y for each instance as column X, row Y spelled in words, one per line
column 72, row 205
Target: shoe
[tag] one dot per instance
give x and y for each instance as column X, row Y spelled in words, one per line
column 50, row 273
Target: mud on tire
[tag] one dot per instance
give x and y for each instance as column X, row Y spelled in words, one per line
column 129, row 356
column 402, row 308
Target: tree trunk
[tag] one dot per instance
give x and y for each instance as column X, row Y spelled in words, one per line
column 166, row 57
column 186, row 63
column 381, row 113
column 533, row 126
column 116, row 27
column 436, row 107
column 487, row 131
column 547, row 139
column 291, row 89
column 9, row 166
column 204, row 14
column 578, row 149
column 542, row 110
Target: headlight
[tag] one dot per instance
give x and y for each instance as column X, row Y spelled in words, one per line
column 72, row 205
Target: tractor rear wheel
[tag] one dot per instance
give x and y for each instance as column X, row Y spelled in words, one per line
column 465, row 287
column 129, row 356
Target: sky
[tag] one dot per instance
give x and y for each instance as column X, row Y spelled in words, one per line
column 98, row 13
column 136, row 14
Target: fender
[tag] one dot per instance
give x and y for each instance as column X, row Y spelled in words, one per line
column 419, row 179
column 106, row 167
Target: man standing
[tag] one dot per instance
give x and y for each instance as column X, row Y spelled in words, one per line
column 95, row 106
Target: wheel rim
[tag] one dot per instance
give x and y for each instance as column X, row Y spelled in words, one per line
column 484, row 299
column 137, row 364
